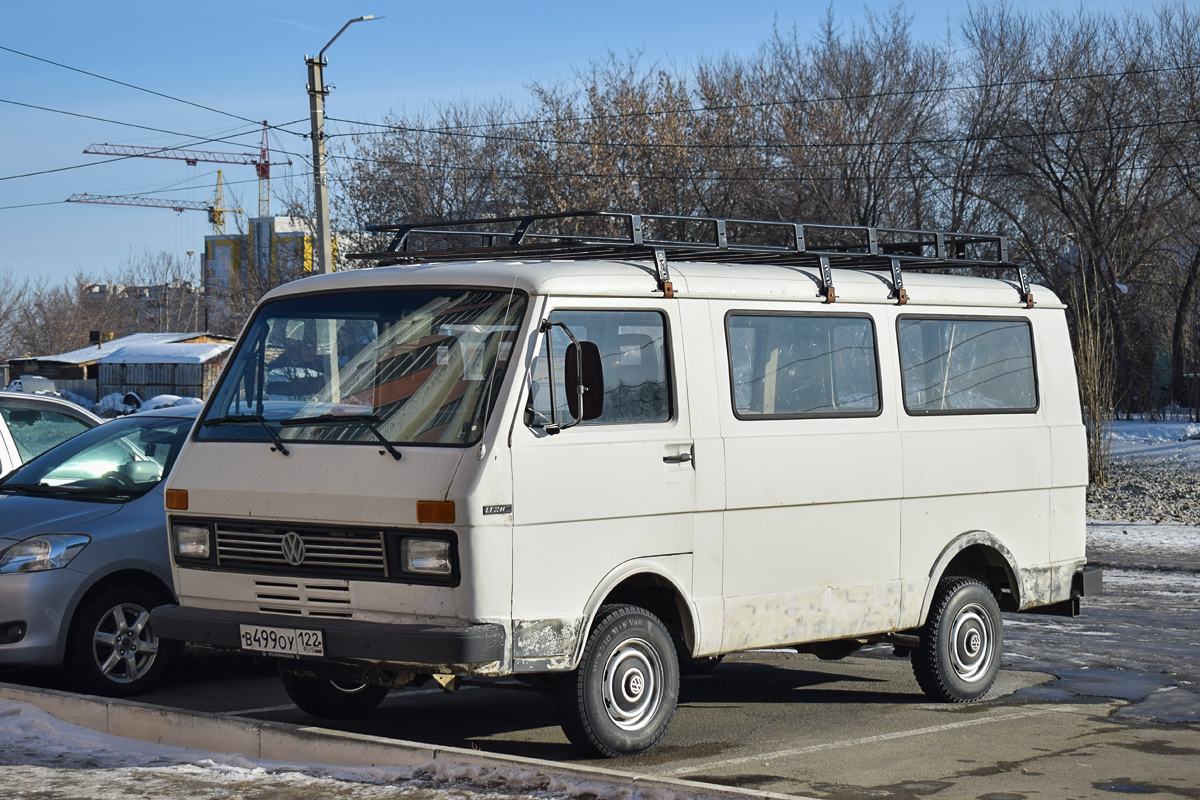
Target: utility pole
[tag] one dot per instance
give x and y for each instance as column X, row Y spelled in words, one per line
column 316, row 104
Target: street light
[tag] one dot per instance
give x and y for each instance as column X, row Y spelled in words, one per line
column 316, row 104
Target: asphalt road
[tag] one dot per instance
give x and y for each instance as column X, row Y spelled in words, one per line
column 1104, row 704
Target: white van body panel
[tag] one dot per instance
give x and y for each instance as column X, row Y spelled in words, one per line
column 774, row 532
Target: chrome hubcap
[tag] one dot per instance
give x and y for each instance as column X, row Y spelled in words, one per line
column 972, row 646
column 633, row 685
column 123, row 645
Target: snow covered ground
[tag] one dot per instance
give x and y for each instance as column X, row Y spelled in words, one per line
column 44, row 758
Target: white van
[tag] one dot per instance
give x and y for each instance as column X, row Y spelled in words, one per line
column 609, row 458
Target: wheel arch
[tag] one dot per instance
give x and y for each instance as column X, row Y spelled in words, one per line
column 648, row 585
column 130, row 576
column 980, row 555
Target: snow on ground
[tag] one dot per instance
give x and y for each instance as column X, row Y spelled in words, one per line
column 44, row 758
column 1154, row 474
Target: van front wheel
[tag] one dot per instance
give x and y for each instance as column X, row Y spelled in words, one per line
column 328, row 698
column 621, row 698
column 959, row 652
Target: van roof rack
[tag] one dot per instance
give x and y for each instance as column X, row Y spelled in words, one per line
column 594, row 235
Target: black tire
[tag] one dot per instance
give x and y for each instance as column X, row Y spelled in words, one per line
column 111, row 648
column 621, row 698
column 330, row 699
column 958, row 656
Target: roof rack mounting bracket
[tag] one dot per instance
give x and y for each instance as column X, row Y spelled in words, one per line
column 1026, row 291
column 663, row 273
column 827, row 290
column 898, row 291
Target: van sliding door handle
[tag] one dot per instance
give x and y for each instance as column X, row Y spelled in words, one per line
column 682, row 458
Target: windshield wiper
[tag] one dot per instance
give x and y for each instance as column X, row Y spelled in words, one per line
column 368, row 421
column 46, row 488
column 241, row 419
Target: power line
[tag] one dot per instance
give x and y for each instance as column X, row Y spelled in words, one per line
column 103, row 119
column 775, row 145
column 199, row 140
column 32, row 205
column 139, row 88
column 449, row 129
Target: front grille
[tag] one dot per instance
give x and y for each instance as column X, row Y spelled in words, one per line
column 329, row 599
column 347, row 552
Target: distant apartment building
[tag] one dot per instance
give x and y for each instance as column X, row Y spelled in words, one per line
column 273, row 250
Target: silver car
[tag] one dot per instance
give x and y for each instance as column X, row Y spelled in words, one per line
column 83, row 553
column 30, row 424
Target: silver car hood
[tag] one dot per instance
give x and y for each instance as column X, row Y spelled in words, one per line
column 22, row 516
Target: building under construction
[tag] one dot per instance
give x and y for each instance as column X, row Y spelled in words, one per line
column 273, row 250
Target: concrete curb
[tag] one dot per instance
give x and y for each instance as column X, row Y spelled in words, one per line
column 304, row 745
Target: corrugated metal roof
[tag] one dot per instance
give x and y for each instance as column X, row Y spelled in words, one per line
column 86, row 355
column 167, row 353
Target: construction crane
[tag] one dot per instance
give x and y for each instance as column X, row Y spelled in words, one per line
column 261, row 162
column 216, row 209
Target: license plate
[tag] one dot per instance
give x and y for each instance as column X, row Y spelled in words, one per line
column 282, row 641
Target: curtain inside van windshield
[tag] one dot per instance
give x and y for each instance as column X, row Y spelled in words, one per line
column 408, row 366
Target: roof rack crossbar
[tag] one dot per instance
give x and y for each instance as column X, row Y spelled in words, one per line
column 733, row 240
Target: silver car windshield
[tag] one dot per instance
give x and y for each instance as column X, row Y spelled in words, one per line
column 121, row 459
column 400, row 366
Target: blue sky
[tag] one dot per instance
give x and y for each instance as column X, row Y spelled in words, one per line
column 246, row 59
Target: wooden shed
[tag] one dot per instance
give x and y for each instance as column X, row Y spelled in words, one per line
column 188, row 370
column 78, row 371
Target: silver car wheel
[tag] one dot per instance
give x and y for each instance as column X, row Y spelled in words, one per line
column 123, row 644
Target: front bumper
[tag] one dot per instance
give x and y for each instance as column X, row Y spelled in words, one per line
column 461, row 647
column 42, row 600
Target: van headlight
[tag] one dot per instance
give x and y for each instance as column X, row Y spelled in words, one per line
column 52, row 551
column 427, row 557
column 191, row 542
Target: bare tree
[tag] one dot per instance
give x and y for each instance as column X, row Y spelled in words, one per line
column 14, row 293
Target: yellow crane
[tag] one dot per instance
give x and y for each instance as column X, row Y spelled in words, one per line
column 216, row 209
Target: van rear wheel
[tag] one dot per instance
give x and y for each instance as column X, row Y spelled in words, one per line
column 621, row 698
column 959, row 652
column 328, row 698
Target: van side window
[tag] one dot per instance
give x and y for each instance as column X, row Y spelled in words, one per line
column 964, row 365
column 633, row 352
column 799, row 365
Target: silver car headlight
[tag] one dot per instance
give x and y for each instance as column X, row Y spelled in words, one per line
column 52, row 551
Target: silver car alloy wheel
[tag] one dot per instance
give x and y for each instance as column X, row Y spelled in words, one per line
column 123, row 644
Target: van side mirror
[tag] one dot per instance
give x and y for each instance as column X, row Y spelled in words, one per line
column 585, row 354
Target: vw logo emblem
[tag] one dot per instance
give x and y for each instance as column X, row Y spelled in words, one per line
column 293, row 548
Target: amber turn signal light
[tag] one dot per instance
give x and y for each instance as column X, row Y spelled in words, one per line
column 436, row 511
column 177, row 500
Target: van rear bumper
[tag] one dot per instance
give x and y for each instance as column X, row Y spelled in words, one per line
column 345, row 640
column 1086, row 582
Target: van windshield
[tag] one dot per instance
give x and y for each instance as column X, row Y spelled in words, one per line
column 403, row 366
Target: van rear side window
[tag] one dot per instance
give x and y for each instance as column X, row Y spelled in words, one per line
column 967, row 365
column 800, row 365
